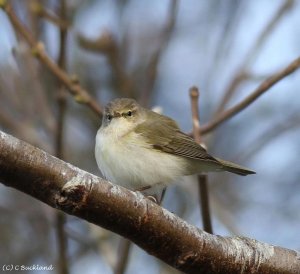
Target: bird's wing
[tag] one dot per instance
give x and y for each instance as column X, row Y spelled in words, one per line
column 164, row 135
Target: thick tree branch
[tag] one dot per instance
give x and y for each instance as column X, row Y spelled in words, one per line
column 133, row 216
column 261, row 89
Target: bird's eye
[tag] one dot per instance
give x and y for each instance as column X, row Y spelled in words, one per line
column 129, row 113
column 108, row 117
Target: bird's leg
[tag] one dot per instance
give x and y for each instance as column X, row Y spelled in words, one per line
column 162, row 195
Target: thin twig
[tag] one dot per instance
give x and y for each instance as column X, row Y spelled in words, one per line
column 202, row 179
column 61, row 94
column 62, row 242
column 166, row 34
column 124, row 251
column 242, row 73
column 279, row 128
column 204, row 202
column 261, row 89
column 61, row 104
column 267, row 31
column 106, row 44
column 80, row 94
column 38, row 9
column 194, row 94
column 22, row 129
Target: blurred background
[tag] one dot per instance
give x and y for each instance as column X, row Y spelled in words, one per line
column 155, row 51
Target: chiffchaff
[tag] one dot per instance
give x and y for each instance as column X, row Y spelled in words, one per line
column 137, row 148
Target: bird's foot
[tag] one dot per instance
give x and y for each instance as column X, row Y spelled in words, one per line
column 156, row 198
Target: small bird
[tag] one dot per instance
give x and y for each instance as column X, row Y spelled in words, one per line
column 138, row 148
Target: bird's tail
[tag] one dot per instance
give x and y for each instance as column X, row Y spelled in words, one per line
column 234, row 168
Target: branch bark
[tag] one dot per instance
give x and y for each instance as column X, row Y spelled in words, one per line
column 130, row 214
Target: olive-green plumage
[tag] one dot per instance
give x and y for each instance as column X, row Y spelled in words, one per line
column 164, row 134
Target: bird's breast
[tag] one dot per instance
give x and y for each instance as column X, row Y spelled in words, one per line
column 117, row 158
column 131, row 162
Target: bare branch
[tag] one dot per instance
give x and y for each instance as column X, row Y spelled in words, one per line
column 61, row 96
column 261, row 89
column 130, row 214
column 22, row 129
column 267, row 31
column 80, row 94
column 125, row 246
column 106, row 44
column 204, row 202
column 194, row 94
column 242, row 73
column 37, row 8
column 202, row 178
column 62, row 240
column 156, row 56
column 291, row 122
